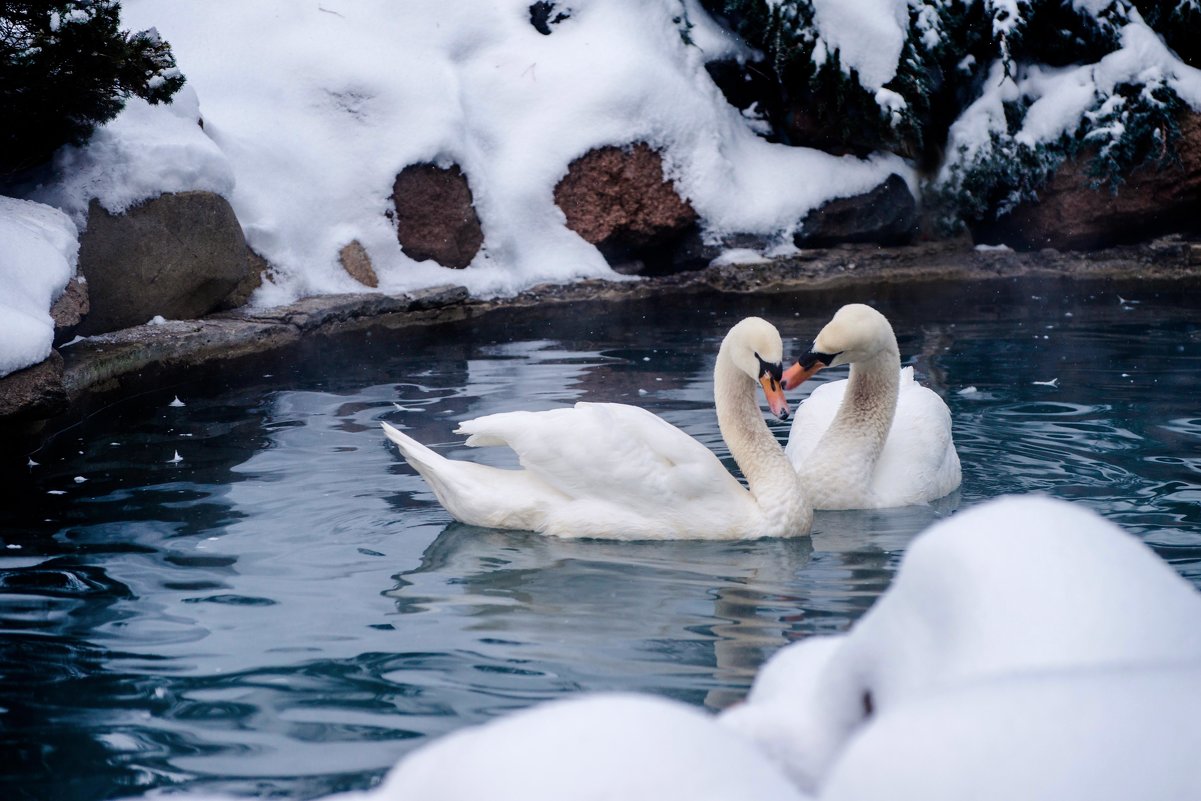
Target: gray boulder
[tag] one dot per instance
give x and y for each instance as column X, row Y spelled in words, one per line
column 177, row 255
column 34, row 393
column 887, row 215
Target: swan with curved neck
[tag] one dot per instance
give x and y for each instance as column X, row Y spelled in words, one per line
column 610, row 470
column 877, row 439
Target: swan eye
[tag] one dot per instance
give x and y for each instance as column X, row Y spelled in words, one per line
column 775, row 370
column 811, row 358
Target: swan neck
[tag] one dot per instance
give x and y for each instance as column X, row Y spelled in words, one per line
column 769, row 475
column 870, row 402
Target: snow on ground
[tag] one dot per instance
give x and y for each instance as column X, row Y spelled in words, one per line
column 38, row 248
column 1101, row 736
column 311, row 109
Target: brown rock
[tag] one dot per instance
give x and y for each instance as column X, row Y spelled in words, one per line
column 178, row 255
column 357, row 263
column 618, row 199
column 887, row 215
column 435, row 215
column 71, row 307
column 35, row 393
column 1071, row 215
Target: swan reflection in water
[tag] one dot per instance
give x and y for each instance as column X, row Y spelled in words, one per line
column 688, row 619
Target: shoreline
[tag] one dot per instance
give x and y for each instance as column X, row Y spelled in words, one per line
column 100, row 369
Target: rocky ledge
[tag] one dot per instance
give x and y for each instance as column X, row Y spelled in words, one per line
column 51, row 395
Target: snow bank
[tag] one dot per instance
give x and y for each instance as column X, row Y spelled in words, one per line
column 1101, row 736
column 592, row 748
column 787, row 715
column 1007, row 631
column 315, row 108
column 146, row 151
column 38, row 249
column 1021, row 585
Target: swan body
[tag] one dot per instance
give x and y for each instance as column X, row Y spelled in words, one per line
column 615, row 471
column 877, row 439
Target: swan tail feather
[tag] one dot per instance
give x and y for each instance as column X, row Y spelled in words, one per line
column 414, row 452
column 477, row 494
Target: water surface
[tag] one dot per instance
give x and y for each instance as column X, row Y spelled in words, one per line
column 287, row 610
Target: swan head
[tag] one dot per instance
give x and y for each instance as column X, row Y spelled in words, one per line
column 755, row 348
column 856, row 333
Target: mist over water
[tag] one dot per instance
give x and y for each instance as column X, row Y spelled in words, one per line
column 287, row 609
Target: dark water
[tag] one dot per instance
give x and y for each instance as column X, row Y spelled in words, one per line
column 287, row 610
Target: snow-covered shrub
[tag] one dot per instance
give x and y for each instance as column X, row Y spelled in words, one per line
column 65, row 67
column 992, row 94
column 1179, row 22
column 1116, row 113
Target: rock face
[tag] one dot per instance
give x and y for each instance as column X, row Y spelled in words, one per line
column 34, row 393
column 70, row 308
column 435, row 216
column 178, row 255
column 357, row 263
column 1070, row 215
column 257, row 268
column 887, row 215
column 617, row 199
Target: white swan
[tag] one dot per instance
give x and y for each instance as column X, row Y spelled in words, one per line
column 878, row 439
column 619, row 472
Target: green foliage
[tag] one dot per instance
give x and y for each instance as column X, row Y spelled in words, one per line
column 65, row 67
column 1002, row 173
column 1137, row 125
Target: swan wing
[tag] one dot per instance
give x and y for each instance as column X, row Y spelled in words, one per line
column 608, row 451
column 478, row 494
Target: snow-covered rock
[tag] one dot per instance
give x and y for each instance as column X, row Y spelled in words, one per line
column 38, row 250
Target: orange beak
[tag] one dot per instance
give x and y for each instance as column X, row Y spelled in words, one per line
column 796, row 375
column 774, row 391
